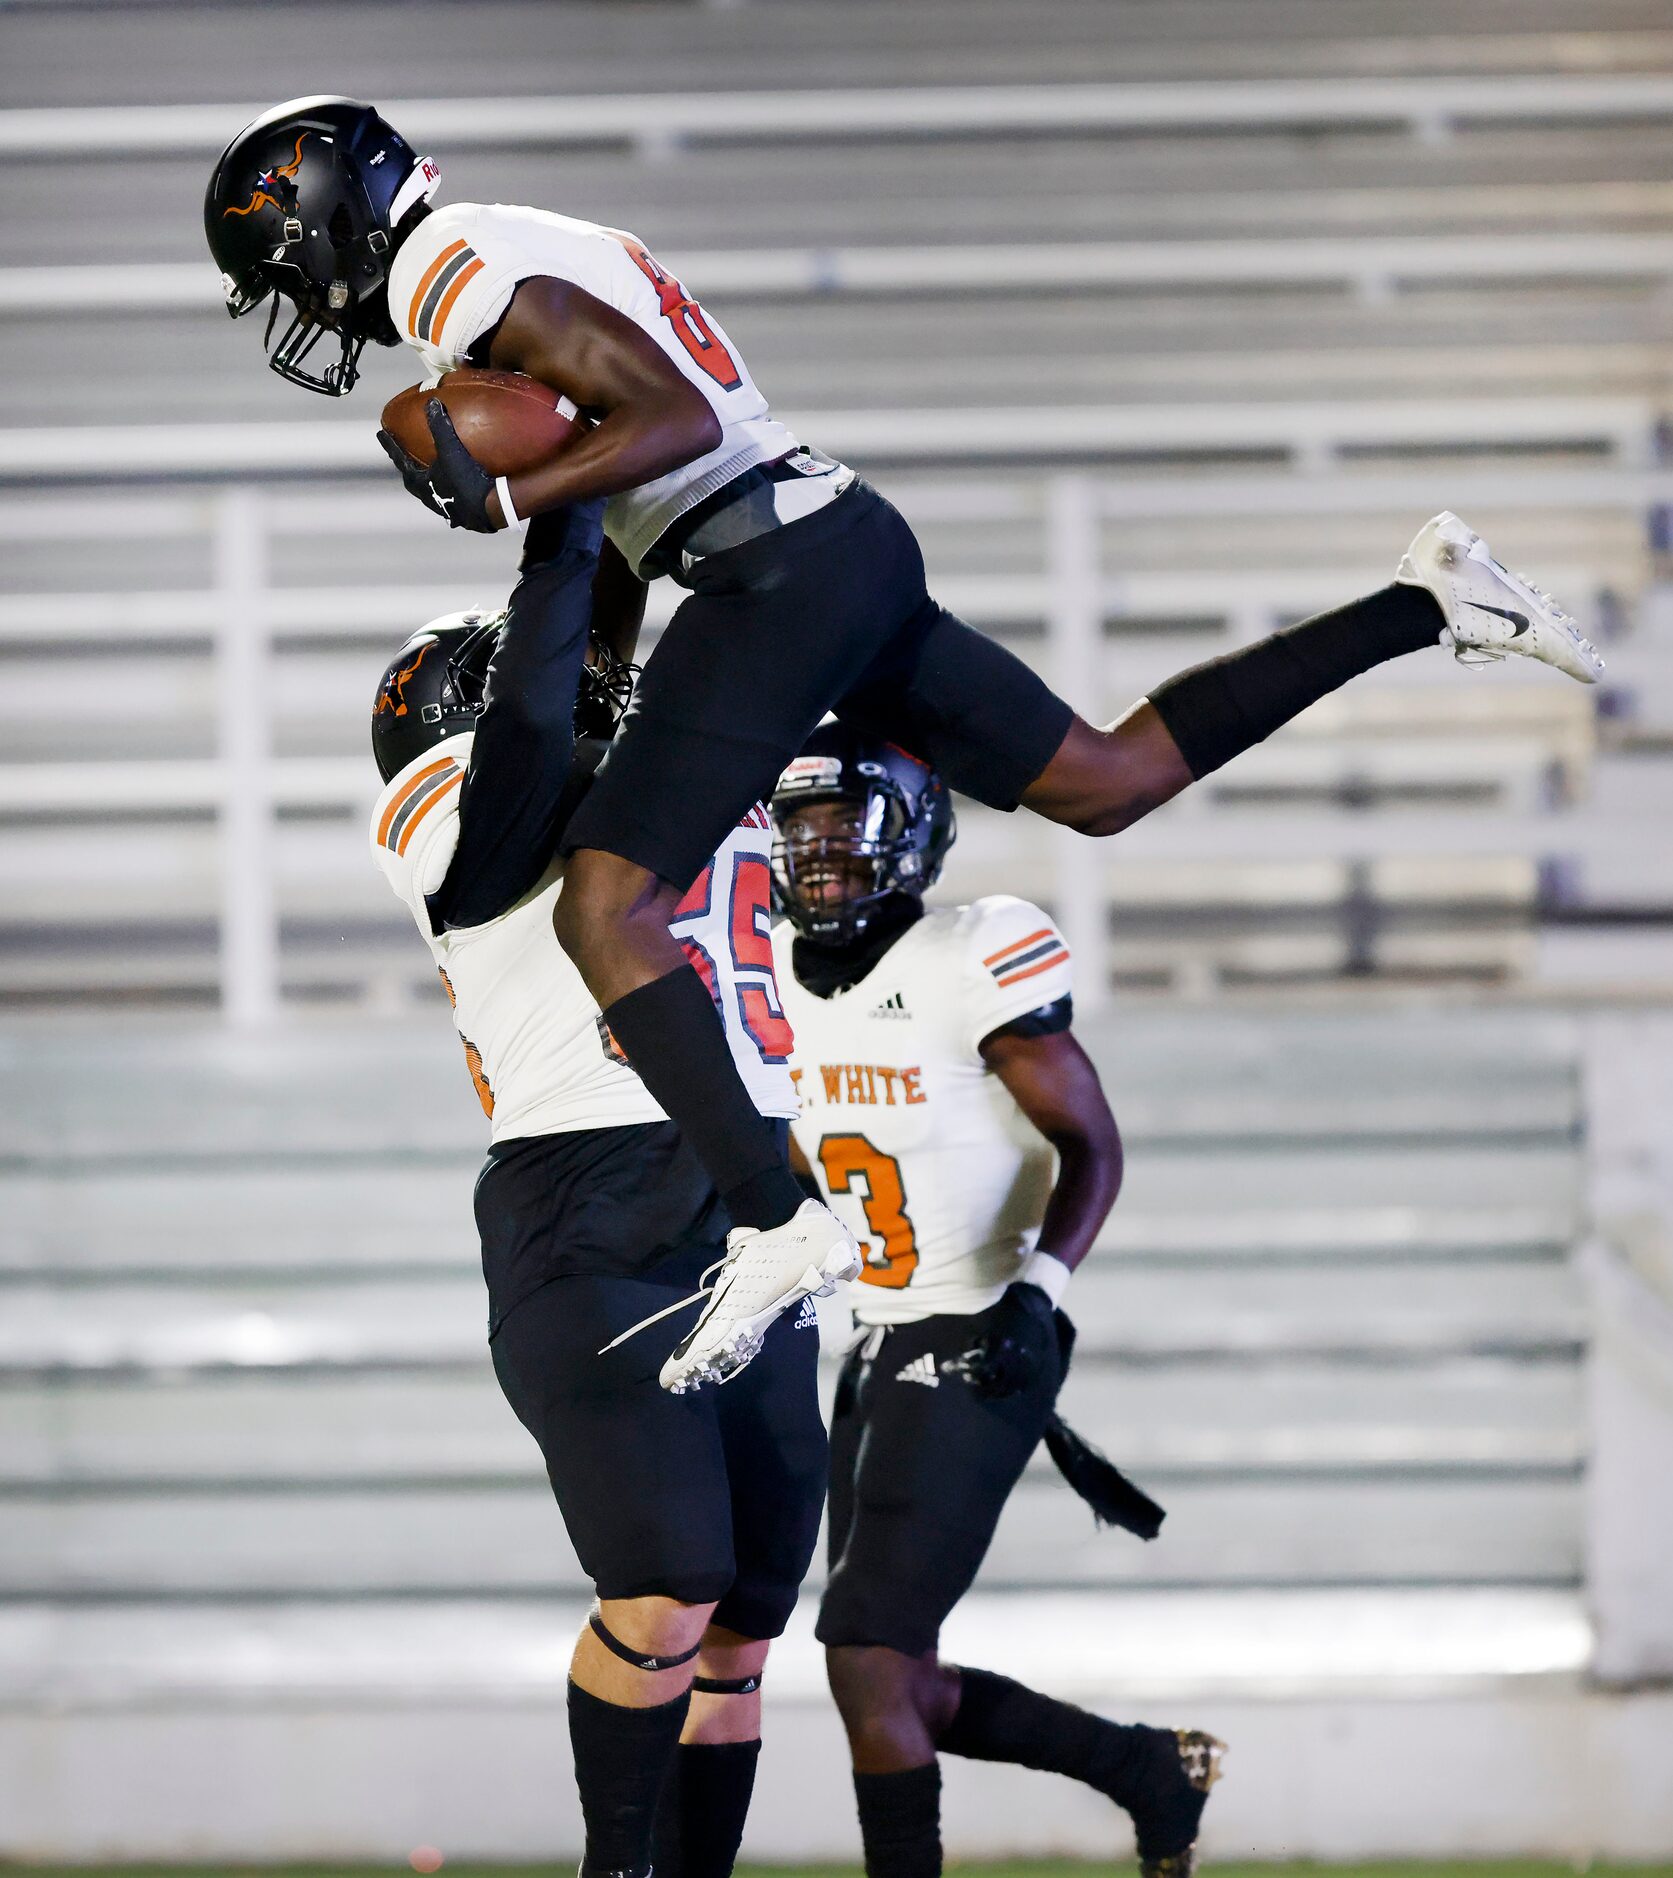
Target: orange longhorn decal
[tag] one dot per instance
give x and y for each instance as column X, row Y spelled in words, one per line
column 390, row 698
column 261, row 199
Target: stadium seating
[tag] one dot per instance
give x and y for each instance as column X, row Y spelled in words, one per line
column 1165, row 325
column 244, row 1390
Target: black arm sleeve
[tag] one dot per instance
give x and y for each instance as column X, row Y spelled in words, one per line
column 515, row 797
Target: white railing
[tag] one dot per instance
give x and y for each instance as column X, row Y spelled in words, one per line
column 1628, row 1265
column 1071, row 593
column 655, row 122
column 1372, row 267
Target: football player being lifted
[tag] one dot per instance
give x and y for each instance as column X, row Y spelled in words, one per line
column 694, row 1515
column 938, row 1075
column 804, row 592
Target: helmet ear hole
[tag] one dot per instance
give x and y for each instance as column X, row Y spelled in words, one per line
column 341, row 226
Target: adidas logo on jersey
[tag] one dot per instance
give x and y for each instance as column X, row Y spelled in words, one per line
column 891, row 1007
column 807, row 1318
column 920, row 1369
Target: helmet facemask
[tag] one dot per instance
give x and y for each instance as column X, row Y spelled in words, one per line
column 603, row 691
column 415, row 710
column 836, row 861
column 305, row 330
column 337, row 309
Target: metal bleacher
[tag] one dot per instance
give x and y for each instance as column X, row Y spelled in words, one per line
column 242, row 1354
column 1162, row 335
column 1165, row 324
column 263, row 1508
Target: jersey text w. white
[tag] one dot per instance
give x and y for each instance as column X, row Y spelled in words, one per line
column 539, row 1051
column 919, row 1148
column 454, row 277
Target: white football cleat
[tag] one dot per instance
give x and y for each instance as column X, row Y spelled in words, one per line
column 1491, row 612
column 762, row 1275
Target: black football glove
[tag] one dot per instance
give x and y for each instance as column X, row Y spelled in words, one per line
column 456, row 485
column 1019, row 1337
column 413, row 473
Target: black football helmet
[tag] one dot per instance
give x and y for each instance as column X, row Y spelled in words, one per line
column 308, row 204
column 829, row 885
column 433, row 690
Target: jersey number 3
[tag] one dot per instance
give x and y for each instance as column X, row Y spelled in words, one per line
column 850, row 1158
column 687, row 319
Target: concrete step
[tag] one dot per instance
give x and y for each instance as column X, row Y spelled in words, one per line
column 395, row 1092
column 110, row 1655
column 229, row 1539
column 232, row 1216
column 1151, row 1315
column 235, row 1218
column 1185, row 1419
column 1363, row 1726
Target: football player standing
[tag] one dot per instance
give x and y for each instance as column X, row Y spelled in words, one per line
column 694, row 1515
column 805, row 593
column 938, row 1074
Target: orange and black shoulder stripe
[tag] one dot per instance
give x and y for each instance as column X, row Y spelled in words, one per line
column 1027, row 958
column 438, row 290
column 414, row 800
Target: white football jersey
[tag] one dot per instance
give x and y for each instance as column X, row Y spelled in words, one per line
column 540, row 1053
column 454, row 276
column 918, row 1146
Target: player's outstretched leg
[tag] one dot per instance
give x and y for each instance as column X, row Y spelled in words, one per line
column 629, row 1695
column 1160, row 1776
column 705, row 1800
column 1449, row 590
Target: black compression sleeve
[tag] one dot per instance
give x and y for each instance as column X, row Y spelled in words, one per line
column 622, row 1757
column 672, row 1034
column 1215, row 711
column 515, row 797
column 705, row 1803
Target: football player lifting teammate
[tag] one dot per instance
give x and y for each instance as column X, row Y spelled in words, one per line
column 805, row 593
column 938, row 1074
column 694, row 1515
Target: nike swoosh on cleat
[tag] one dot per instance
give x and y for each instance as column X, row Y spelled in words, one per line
column 1518, row 620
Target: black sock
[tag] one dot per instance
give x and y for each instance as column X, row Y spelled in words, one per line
column 671, row 1033
column 705, row 1801
column 621, row 1761
column 900, row 1822
column 1001, row 1720
column 1217, row 710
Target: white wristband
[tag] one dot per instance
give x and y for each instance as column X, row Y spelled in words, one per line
column 1049, row 1273
column 507, row 507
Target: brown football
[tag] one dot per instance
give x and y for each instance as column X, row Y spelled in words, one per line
column 509, row 423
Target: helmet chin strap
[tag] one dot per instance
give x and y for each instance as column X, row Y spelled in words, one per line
column 828, row 968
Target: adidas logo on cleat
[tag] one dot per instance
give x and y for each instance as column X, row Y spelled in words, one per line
column 920, row 1369
column 807, row 1318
